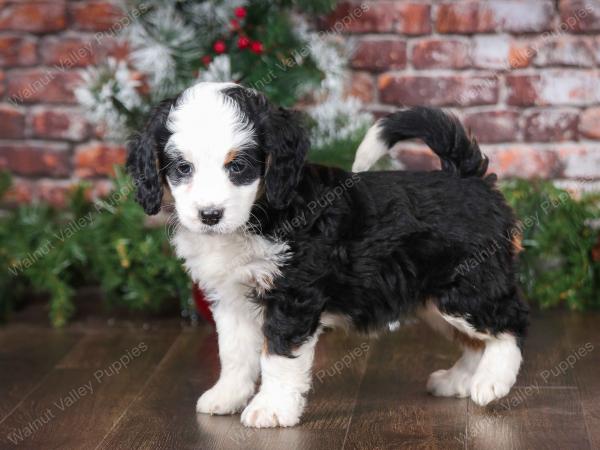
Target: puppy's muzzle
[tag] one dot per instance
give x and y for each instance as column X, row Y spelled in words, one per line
column 211, row 216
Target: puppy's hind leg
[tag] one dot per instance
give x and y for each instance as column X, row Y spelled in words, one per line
column 456, row 381
column 497, row 370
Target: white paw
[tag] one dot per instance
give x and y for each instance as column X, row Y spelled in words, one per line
column 487, row 387
column 224, row 398
column 450, row 383
column 268, row 411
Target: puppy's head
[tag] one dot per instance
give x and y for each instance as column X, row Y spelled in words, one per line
column 219, row 147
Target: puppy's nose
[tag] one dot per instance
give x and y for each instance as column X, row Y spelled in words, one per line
column 211, row 216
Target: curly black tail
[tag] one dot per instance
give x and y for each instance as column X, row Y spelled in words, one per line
column 441, row 131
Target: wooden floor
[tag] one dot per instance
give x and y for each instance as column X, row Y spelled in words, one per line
column 88, row 387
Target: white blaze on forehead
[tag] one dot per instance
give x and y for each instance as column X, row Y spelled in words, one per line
column 206, row 124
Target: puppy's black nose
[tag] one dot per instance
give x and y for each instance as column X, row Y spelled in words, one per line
column 211, row 216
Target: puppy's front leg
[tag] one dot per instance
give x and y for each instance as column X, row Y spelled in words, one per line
column 285, row 381
column 240, row 342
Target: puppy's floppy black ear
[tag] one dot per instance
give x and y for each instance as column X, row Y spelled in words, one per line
column 286, row 144
column 144, row 153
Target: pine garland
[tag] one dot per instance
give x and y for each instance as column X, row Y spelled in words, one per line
column 270, row 46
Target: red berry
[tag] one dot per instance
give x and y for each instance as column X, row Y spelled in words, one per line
column 240, row 12
column 206, row 59
column 257, row 47
column 219, row 47
column 234, row 24
column 243, row 42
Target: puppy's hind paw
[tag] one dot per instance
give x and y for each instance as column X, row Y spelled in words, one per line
column 223, row 399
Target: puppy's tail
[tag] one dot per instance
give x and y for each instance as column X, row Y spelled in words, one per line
column 442, row 132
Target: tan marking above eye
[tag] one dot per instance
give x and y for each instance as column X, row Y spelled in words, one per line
column 230, row 156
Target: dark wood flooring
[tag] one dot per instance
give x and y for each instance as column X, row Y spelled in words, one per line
column 87, row 387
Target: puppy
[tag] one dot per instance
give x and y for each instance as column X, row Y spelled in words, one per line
column 283, row 248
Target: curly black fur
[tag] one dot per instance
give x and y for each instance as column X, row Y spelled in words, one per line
column 371, row 246
column 145, row 151
column 374, row 246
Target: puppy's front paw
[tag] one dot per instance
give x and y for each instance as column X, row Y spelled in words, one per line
column 268, row 411
column 224, row 398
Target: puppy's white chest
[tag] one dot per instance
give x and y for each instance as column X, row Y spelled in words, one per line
column 230, row 262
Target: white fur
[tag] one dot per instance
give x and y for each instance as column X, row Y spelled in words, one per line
column 228, row 267
column 206, row 126
column 483, row 375
column 370, row 150
column 240, row 343
column 497, row 370
column 285, row 382
column 456, row 381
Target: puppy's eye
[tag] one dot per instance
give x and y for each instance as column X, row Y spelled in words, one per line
column 184, row 168
column 236, row 167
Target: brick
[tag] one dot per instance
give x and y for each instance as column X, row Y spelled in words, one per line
column 34, row 17
column 554, row 87
column 580, row 160
column 523, row 161
column 362, row 86
column 493, row 126
column 380, row 54
column 20, row 192
column 2, row 83
column 441, row 54
column 69, row 51
column 566, row 51
column 589, row 123
column 579, row 15
column 442, row 90
column 77, row 51
column 17, row 51
column 491, row 52
column 523, row 89
column 517, row 16
column 520, row 55
column 551, row 125
column 94, row 15
column 35, row 159
column 12, row 123
column 413, row 18
column 415, row 157
column 39, row 85
column 55, row 192
column 97, row 159
column 66, row 124
column 362, row 18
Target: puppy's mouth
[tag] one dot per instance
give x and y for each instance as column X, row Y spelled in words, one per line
column 196, row 226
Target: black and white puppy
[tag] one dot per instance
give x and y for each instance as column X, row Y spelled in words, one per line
column 283, row 248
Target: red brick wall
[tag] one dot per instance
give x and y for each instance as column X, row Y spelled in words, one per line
column 523, row 74
column 44, row 139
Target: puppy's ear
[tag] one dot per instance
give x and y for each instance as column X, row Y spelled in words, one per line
column 286, row 145
column 144, row 153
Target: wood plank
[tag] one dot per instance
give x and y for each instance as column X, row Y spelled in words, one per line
column 544, row 409
column 27, row 355
column 340, row 364
column 546, row 345
column 84, row 396
column 584, row 360
column 393, row 409
column 550, row 418
column 163, row 415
